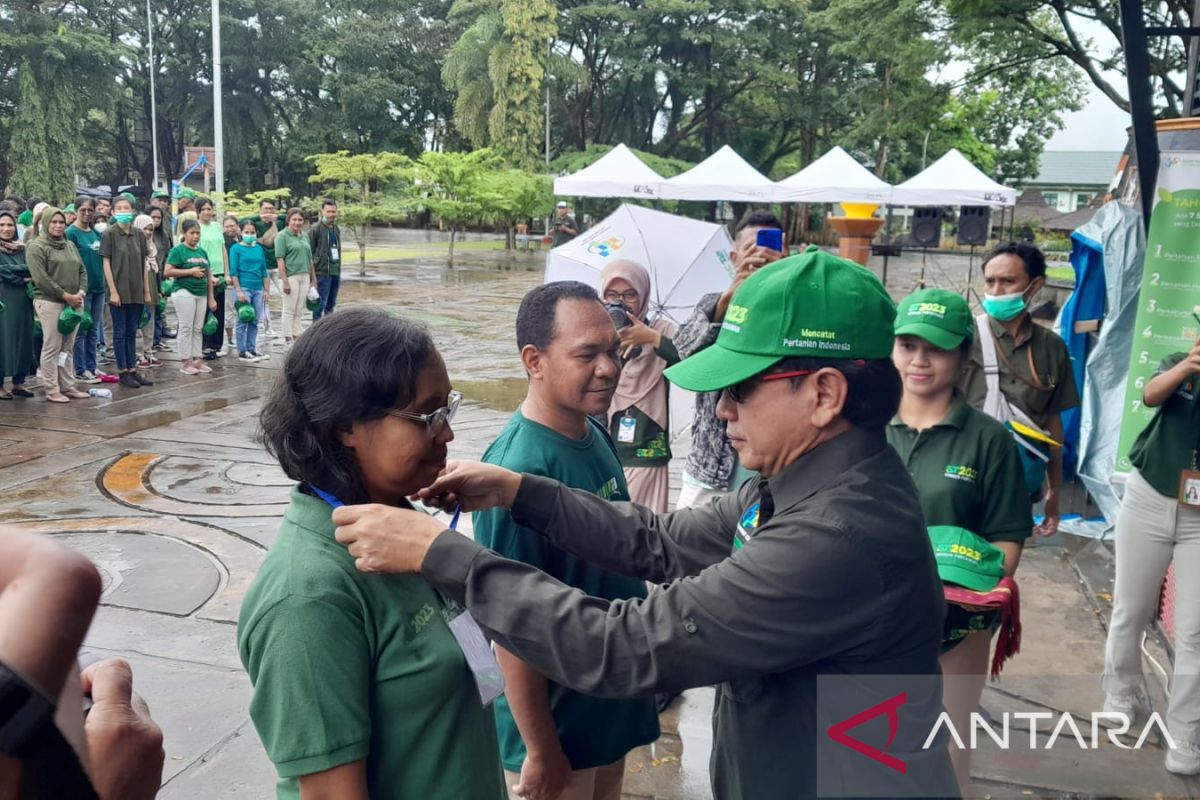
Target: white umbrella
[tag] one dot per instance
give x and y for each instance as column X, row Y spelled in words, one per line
column 686, row 258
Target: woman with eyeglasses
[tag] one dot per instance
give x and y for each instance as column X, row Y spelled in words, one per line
column 360, row 688
column 638, row 418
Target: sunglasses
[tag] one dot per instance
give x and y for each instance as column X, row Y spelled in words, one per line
column 435, row 422
column 740, row 391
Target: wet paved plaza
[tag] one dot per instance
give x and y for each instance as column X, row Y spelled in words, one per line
column 166, row 489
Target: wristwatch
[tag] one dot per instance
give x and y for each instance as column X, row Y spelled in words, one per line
column 25, row 714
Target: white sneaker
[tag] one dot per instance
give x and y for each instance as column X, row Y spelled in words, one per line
column 247, row 356
column 1183, row 759
column 260, row 356
column 1130, row 704
column 224, row 351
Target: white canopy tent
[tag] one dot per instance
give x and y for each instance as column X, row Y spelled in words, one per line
column 834, row 178
column 952, row 180
column 619, row 173
column 722, row 176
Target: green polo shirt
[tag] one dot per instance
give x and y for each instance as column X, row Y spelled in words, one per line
column 1051, row 363
column 347, row 666
column 184, row 257
column 593, row 732
column 1169, row 443
column 126, row 252
column 968, row 473
column 295, row 252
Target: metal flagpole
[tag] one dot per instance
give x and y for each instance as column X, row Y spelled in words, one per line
column 154, row 184
column 218, row 137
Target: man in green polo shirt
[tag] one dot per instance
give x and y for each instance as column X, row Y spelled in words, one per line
column 1035, row 374
column 555, row 741
column 787, row 592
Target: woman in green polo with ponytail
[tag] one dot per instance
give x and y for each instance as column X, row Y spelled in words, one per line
column 968, row 476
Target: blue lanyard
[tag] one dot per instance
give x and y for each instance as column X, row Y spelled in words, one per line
column 335, row 503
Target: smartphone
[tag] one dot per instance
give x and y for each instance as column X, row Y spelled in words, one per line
column 771, row 238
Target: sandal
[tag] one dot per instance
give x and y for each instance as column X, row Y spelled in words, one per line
column 5, row 395
column 21, row 391
column 56, row 397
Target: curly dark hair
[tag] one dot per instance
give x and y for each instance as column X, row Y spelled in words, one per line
column 348, row 367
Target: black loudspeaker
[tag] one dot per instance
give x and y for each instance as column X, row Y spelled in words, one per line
column 974, row 223
column 927, row 227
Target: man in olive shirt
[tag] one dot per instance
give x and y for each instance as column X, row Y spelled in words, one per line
column 792, row 594
column 564, row 226
column 325, row 239
column 1035, row 367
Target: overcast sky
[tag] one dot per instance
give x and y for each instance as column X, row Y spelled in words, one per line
column 1099, row 125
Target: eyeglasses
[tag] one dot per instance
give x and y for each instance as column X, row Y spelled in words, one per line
column 630, row 296
column 740, row 391
column 437, row 421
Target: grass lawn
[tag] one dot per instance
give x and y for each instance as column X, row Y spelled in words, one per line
column 1061, row 274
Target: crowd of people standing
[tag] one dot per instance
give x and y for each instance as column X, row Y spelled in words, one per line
column 89, row 285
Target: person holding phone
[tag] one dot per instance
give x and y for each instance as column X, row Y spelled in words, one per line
column 712, row 466
column 1159, row 523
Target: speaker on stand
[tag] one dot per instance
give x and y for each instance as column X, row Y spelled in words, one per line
column 974, row 225
column 926, row 233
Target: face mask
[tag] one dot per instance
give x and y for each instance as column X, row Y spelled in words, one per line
column 123, row 218
column 1004, row 307
column 249, row 238
column 101, row 227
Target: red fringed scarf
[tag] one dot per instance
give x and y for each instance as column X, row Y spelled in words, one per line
column 1007, row 599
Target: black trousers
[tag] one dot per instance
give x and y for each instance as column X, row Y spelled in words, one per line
column 215, row 341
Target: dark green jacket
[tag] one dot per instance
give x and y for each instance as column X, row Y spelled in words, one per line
column 836, row 582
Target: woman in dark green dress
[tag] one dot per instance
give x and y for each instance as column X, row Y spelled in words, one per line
column 17, row 357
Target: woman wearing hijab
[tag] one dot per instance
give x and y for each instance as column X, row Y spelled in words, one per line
column 32, row 231
column 59, row 280
column 17, row 358
column 145, row 225
column 638, row 417
column 162, row 245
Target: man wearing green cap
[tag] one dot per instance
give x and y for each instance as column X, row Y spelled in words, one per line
column 787, row 593
column 968, row 478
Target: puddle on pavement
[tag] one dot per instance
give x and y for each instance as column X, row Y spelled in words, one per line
column 503, row 394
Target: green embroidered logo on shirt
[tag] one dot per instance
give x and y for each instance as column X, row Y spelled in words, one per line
column 420, row 619
column 609, row 490
column 962, row 473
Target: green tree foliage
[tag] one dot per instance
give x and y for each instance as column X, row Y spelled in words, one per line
column 497, row 67
column 360, row 184
column 511, row 197
column 455, row 187
column 31, row 162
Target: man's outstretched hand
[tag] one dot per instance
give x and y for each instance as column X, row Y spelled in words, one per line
column 471, row 486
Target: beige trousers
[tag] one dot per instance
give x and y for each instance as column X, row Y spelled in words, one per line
column 294, row 306
column 649, row 487
column 57, row 372
column 598, row 783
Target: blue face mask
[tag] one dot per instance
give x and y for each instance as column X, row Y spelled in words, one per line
column 1004, row 307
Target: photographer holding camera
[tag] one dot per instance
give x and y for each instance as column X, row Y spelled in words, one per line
column 638, row 416
column 563, row 227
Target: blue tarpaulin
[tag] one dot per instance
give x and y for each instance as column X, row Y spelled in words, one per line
column 1085, row 303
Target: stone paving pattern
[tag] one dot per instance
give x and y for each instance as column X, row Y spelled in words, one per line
column 168, row 492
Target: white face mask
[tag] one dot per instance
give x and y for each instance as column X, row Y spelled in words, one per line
column 100, row 227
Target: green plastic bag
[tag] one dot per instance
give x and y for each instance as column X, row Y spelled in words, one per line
column 29, row 290
column 210, row 324
column 220, row 287
column 69, row 320
column 168, row 287
column 162, row 305
column 313, row 305
column 145, row 320
column 37, row 326
column 87, row 323
column 246, row 314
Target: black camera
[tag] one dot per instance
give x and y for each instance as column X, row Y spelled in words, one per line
column 619, row 314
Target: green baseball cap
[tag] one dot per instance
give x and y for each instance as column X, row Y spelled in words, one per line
column 811, row 305
column 939, row 317
column 185, row 192
column 965, row 558
column 69, row 209
column 160, row 193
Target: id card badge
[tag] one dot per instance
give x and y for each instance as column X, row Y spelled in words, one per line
column 489, row 680
column 1189, row 489
column 626, row 430
column 335, row 254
